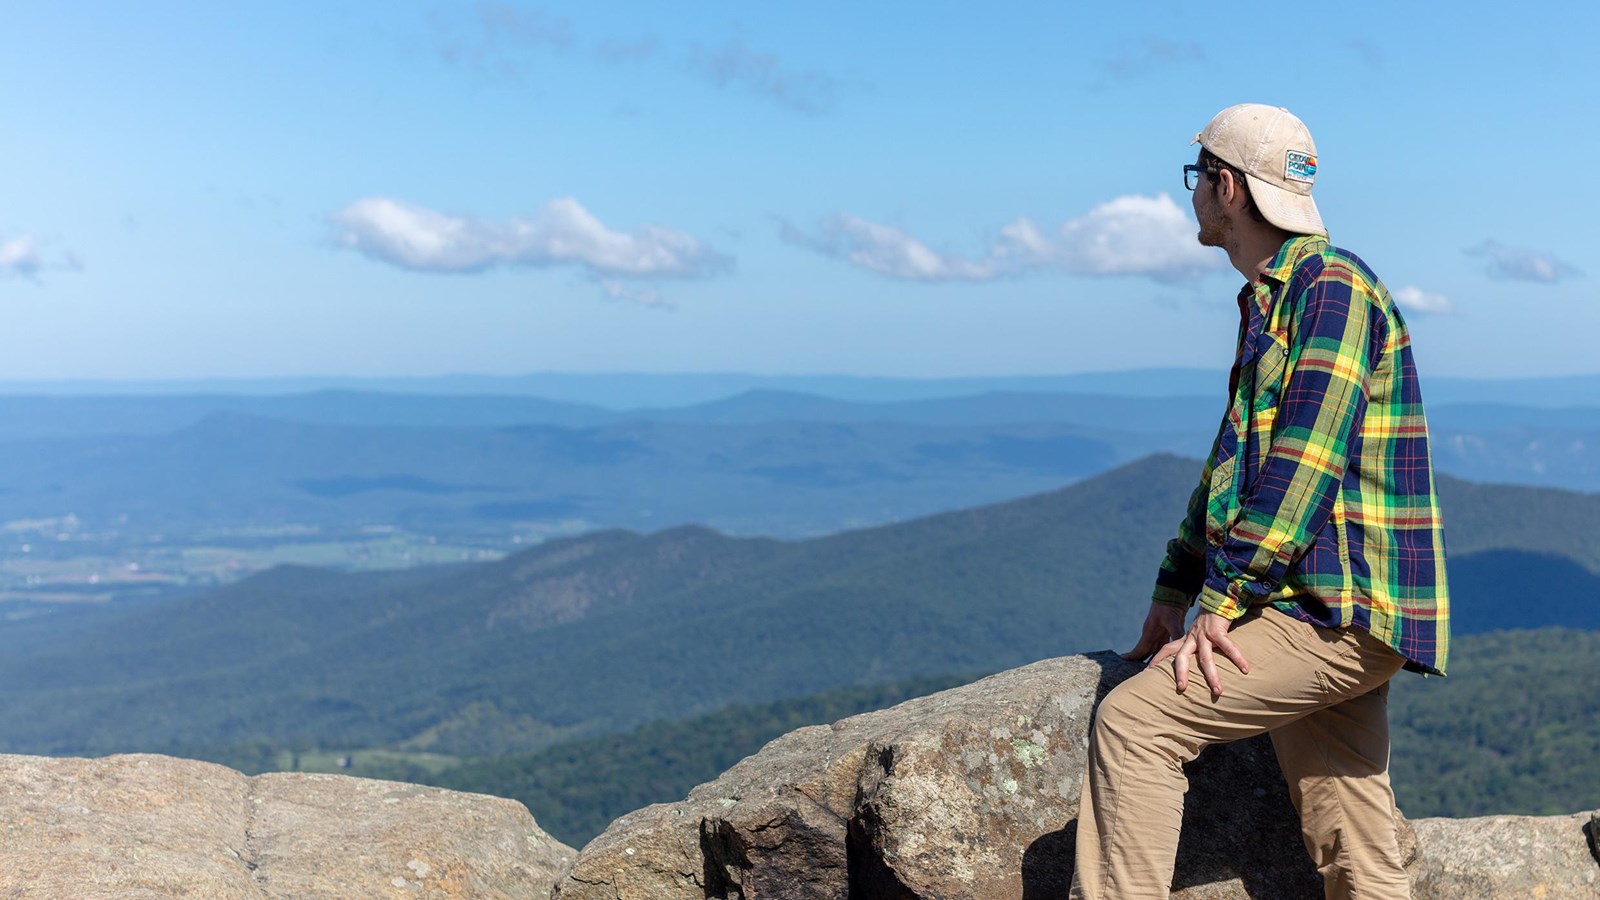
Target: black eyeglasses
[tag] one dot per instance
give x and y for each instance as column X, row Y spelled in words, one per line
column 1191, row 174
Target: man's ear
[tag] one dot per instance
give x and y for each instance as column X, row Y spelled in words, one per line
column 1229, row 190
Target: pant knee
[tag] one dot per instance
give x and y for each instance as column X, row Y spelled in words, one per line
column 1113, row 718
column 1128, row 722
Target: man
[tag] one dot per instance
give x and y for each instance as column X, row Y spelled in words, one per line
column 1313, row 546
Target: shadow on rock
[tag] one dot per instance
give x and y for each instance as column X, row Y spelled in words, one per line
column 1047, row 864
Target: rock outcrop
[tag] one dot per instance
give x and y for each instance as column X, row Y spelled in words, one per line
column 1544, row 857
column 969, row 793
column 973, row 793
column 145, row 826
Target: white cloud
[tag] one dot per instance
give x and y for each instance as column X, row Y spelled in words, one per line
column 1367, row 51
column 495, row 35
column 563, row 233
column 1521, row 263
column 733, row 63
column 614, row 50
column 21, row 256
column 644, row 295
column 1144, row 58
column 1416, row 300
column 887, row 251
column 524, row 26
column 1132, row 235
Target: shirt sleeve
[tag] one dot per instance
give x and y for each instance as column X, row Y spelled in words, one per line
column 1322, row 404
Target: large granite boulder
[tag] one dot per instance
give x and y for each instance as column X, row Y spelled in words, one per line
column 970, row 792
column 145, row 826
column 1543, row 857
column 973, row 793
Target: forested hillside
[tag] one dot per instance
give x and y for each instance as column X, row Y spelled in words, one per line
column 603, row 632
column 1516, row 729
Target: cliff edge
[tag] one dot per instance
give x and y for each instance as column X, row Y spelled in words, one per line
column 973, row 793
column 967, row 793
column 141, row 826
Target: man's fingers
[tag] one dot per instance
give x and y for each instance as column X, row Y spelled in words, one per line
column 1199, row 647
column 1234, row 654
column 1180, row 665
column 1208, row 669
column 1167, row 650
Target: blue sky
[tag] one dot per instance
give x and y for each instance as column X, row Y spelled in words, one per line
column 193, row 190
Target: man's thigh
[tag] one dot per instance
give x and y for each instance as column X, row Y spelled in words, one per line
column 1295, row 669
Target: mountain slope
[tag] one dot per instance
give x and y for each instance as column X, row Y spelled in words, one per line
column 604, row 631
column 1452, row 754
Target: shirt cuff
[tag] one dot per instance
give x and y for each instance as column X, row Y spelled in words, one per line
column 1224, row 605
column 1168, row 596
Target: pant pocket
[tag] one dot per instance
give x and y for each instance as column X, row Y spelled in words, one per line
column 1361, row 664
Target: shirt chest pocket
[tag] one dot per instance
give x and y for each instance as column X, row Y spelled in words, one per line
column 1271, row 369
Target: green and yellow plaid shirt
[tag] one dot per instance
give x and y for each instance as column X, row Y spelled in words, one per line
column 1318, row 494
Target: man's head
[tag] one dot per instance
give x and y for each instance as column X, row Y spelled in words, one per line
column 1221, row 198
column 1258, row 163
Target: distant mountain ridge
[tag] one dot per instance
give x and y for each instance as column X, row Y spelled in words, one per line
column 25, row 417
column 624, row 390
column 763, row 462
column 627, row 390
column 607, row 630
column 36, row 417
column 789, row 478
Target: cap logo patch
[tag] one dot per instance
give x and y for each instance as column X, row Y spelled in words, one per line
column 1300, row 167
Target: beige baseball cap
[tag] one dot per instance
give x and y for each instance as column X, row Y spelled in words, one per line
column 1274, row 150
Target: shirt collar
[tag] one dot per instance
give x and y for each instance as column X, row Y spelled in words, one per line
column 1277, row 271
column 1289, row 255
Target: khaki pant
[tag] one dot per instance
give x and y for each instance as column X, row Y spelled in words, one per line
column 1323, row 695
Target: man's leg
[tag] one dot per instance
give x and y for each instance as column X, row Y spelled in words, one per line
column 1131, row 806
column 1336, row 762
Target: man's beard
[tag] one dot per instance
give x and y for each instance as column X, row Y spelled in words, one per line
column 1216, row 231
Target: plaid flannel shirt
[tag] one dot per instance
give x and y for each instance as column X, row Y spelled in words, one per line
column 1318, row 494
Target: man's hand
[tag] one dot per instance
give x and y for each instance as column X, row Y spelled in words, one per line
column 1209, row 633
column 1162, row 624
